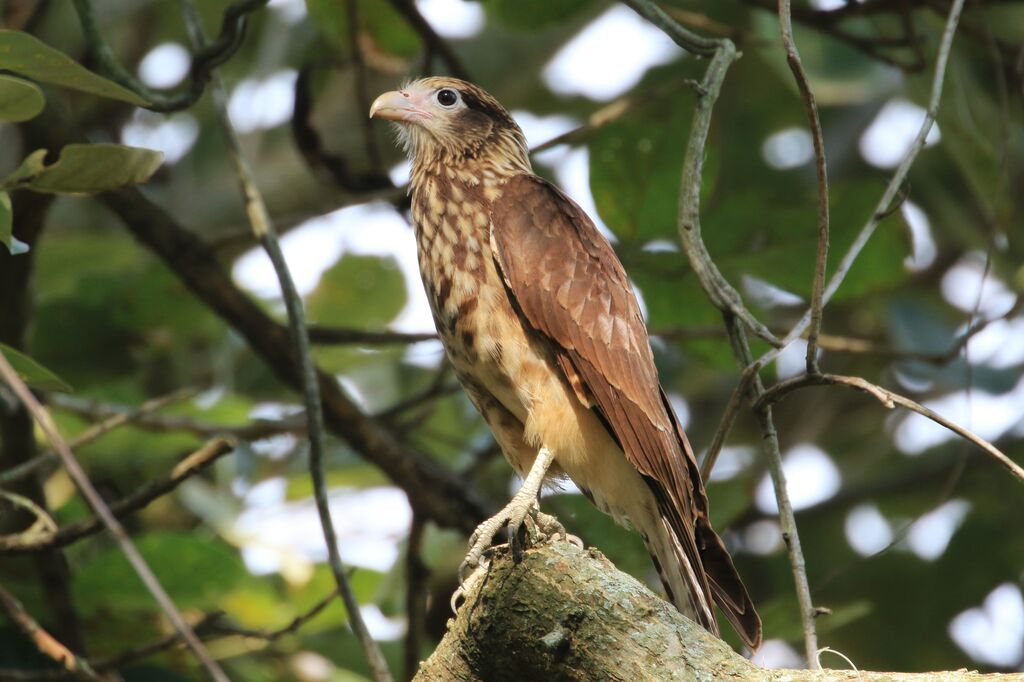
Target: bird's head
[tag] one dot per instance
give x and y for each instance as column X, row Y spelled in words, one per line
column 450, row 121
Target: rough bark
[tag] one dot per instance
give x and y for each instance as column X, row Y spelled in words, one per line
column 567, row 614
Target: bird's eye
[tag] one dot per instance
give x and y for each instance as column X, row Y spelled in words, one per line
column 447, row 97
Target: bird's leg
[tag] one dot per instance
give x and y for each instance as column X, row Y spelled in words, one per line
column 523, row 504
column 523, row 507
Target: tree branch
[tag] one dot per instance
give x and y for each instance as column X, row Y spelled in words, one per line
column 263, row 229
column 891, row 190
column 205, row 60
column 566, row 613
column 44, row 641
column 104, row 411
column 408, row 9
column 889, row 400
column 186, row 468
column 787, row 520
column 724, row 297
column 723, row 53
column 109, row 423
column 101, row 509
column 821, row 258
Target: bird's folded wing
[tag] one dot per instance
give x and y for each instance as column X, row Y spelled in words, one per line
column 568, row 284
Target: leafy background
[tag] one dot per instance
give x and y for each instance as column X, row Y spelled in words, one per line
column 906, row 532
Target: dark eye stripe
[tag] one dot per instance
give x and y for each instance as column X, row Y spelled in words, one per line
column 473, row 102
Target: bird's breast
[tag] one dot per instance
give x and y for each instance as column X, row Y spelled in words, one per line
column 475, row 320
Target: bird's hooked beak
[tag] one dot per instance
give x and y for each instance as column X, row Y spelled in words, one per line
column 401, row 106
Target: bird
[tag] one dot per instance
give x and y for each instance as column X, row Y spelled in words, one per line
column 544, row 332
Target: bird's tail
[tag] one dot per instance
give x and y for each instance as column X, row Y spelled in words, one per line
column 682, row 581
column 695, row 589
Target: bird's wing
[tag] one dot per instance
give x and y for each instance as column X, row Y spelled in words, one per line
column 568, row 284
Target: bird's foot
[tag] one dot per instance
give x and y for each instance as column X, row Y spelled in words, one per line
column 548, row 527
column 521, row 514
column 513, row 515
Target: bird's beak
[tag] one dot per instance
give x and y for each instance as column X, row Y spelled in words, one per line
column 398, row 105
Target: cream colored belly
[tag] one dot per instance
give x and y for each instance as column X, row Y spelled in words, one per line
column 519, row 379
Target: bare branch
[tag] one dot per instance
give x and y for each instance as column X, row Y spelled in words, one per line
column 689, row 41
column 821, row 258
column 787, row 520
column 44, row 641
column 433, row 42
column 232, row 34
column 340, row 336
column 890, row 400
column 41, row 530
column 108, row 424
column 723, row 53
column 211, row 624
column 85, row 486
column 893, row 188
column 158, row 487
column 254, row 430
column 263, row 229
column 723, row 296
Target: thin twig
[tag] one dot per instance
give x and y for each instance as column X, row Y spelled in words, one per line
column 842, row 344
column 891, row 190
column 42, row 529
column 92, row 433
column 723, row 296
column 85, row 486
column 689, row 41
column 416, row 574
column 889, row 400
column 158, row 487
column 263, row 228
column 326, row 336
column 613, row 111
column 723, row 53
column 361, row 85
column 209, row 624
column 811, row 109
column 232, row 34
column 255, row 429
column 787, row 520
column 44, row 641
column 432, row 41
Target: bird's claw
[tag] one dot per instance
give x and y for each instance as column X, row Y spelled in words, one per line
column 520, row 513
column 548, row 527
column 468, row 583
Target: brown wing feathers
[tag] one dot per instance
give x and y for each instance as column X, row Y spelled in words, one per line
column 569, row 285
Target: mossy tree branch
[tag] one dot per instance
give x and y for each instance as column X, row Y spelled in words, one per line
column 566, row 613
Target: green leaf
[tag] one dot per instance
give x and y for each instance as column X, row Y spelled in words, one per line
column 32, row 373
column 31, row 166
column 636, row 164
column 365, row 292
column 196, row 570
column 20, row 100
column 29, row 56
column 93, row 168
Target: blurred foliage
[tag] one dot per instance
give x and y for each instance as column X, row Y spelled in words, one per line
column 111, row 321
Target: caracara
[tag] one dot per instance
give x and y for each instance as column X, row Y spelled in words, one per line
column 543, row 331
